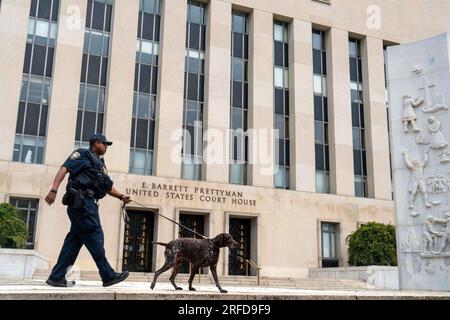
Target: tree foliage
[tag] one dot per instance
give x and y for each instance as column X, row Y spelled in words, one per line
column 373, row 244
column 13, row 231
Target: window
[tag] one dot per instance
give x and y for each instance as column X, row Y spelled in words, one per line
column 28, row 212
column 329, row 239
column 194, row 79
column 321, row 112
column 145, row 87
column 239, row 98
column 34, row 101
column 358, row 123
column 281, row 105
column 94, row 71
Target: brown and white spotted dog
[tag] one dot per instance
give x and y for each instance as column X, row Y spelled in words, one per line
column 199, row 252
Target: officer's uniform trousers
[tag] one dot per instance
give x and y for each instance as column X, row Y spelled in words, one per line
column 85, row 230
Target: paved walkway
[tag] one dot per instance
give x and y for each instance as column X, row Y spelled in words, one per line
column 92, row 290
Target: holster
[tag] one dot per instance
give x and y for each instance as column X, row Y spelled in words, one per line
column 72, row 198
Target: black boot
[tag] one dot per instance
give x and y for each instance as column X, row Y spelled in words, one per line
column 119, row 277
column 63, row 283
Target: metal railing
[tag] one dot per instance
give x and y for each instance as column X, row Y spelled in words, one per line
column 253, row 264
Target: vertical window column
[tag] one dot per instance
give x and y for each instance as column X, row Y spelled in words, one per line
column 192, row 151
column 358, row 123
column 321, row 112
column 34, row 103
column 239, row 98
column 281, row 105
column 145, row 88
column 94, row 71
column 28, row 212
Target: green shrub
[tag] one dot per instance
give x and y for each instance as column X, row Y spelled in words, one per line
column 373, row 244
column 13, row 231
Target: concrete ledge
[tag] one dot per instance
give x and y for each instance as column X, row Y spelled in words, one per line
column 21, row 264
column 379, row 277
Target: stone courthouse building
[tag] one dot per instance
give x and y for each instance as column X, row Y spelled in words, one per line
column 140, row 71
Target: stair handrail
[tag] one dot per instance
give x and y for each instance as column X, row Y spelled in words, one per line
column 254, row 265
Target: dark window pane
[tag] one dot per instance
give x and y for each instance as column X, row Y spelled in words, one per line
column 89, row 14
column 108, row 18
column 43, row 124
column 360, row 75
column 139, row 34
column 83, row 69
column 32, row 119
column 99, row 16
column 245, row 46
column 327, row 158
column 147, row 28
column 136, row 76
column 104, row 71
column 318, row 113
column 281, row 154
column 38, row 61
column 151, row 136
column 44, row 9
column 201, row 96
column 49, row 67
column 33, row 8
column 20, row 117
column 155, row 80
column 141, row 133
column 145, row 77
column 286, row 102
column 320, row 166
column 237, row 94
column 245, row 96
column 133, row 130
column 203, row 38
column 361, row 112
column 324, row 63
column 157, row 27
column 286, row 55
column 93, row 70
column 353, row 70
column 78, row 130
column 325, row 109
column 355, row 115
column 26, row 64
column 317, row 62
column 89, row 125
column 357, row 162
column 192, row 86
column 194, row 36
column 288, row 153
column 279, row 101
column 99, row 123
column 55, row 10
column 237, row 45
column 279, row 53
column 364, row 163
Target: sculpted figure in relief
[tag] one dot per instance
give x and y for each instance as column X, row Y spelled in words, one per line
column 437, row 139
column 409, row 114
column 429, row 236
column 417, row 181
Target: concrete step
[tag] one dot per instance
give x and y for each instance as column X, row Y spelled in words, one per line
column 251, row 281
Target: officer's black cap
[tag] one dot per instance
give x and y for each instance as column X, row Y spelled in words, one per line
column 100, row 137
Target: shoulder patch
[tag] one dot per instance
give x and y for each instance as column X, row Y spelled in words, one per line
column 75, row 155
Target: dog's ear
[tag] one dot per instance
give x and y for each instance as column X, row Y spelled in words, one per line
column 220, row 240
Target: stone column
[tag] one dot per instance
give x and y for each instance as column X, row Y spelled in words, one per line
column 377, row 141
column 119, row 104
column 301, row 122
column 13, row 35
column 217, row 88
column 261, row 88
column 169, row 114
column 339, row 106
column 66, row 82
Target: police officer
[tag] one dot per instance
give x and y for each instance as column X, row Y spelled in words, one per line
column 88, row 182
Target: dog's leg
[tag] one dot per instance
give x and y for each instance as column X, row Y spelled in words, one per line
column 164, row 268
column 174, row 274
column 194, row 271
column 213, row 269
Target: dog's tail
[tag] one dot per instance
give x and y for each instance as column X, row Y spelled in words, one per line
column 160, row 243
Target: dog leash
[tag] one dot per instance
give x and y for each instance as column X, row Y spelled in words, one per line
column 126, row 218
